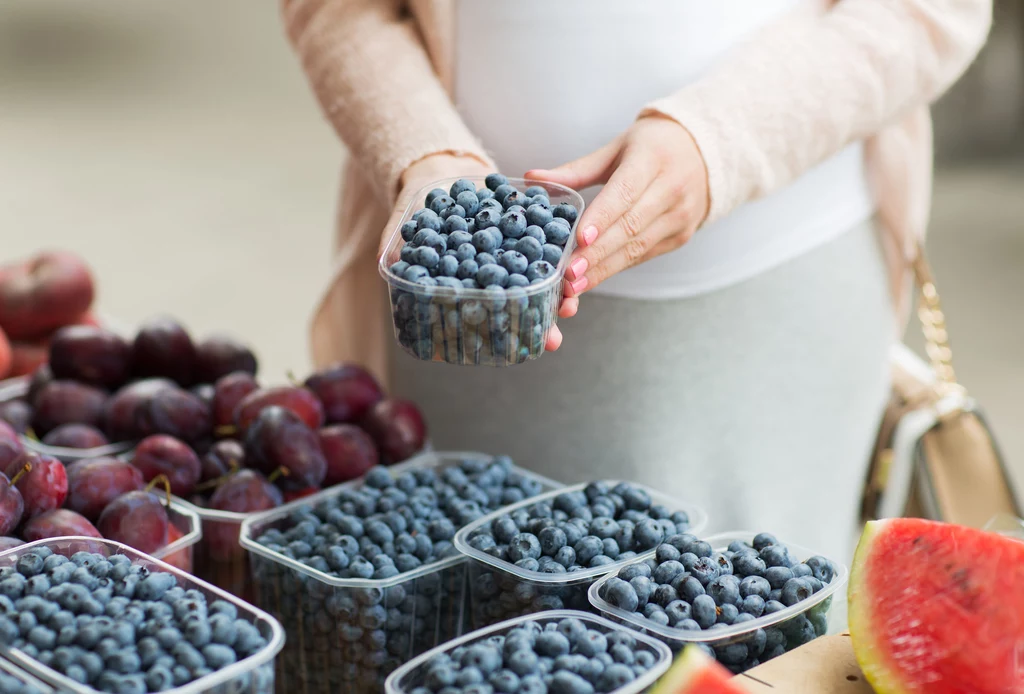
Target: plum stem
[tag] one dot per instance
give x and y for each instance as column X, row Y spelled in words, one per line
column 290, row 375
column 279, row 472
column 31, row 434
column 27, row 467
column 225, row 430
column 165, row 481
column 217, row 481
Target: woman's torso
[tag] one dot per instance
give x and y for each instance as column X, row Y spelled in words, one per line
column 542, row 83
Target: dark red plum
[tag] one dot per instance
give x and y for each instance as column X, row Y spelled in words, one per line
column 299, row 400
column 7, row 543
column 163, row 347
column 165, row 455
column 12, row 506
column 126, row 414
column 76, row 436
column 67, row 402
column 42, row 481
column 91, row 355
column 223, row 457
column 346, row 391
column 60, row 522
column 278, row 438
column 40, row 377
column 137, row 519
column 349, row 451
column 180, row 414
column 11, row 447
column 218, row 355
column 398, row 429
column 228, row 392
column 92, row 484
column 205, row 392
column 18, row 414
column 245, row 491
column 293, row 494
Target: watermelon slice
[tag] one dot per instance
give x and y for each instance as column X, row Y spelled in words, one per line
column 938, row 608
column 695, row 672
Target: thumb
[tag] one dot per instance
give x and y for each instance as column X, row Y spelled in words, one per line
column 586, row 171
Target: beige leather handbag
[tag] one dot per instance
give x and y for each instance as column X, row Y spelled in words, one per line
column 935, row 456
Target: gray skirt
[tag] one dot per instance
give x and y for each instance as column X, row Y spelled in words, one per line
column 758, row 402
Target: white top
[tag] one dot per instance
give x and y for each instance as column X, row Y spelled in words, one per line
column 542, row 82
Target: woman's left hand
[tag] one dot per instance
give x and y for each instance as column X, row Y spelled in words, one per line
column 655, row 196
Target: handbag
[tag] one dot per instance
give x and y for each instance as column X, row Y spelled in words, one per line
column 935, row 456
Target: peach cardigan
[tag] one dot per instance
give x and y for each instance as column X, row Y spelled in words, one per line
column 796, row 93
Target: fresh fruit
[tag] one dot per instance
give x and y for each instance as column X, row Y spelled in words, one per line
column 695, row 672
column 165, row 455
column 398, row 429
column 7, row 542
column 163, row 348
column 12, row 506
column 293, row 494
column 224, row 456
column 278, row 438
column 90, row 355
column 218, row 355
column 349, row 451
column 5, row 355
column 42, row 481
column 42, row 294
column 299, row 400
column 26, row 357
column 346, row 391
column 60, row 522
column 937, row 608
column 182, row 559
column 67, row 402
column 75, row 436
column 42, row 376
column 205, row 392
column 180, row 414
column 228, row 392
column 126, row 413
column 18, row 414
column 138, row 519
column 10, row 445
column 245, row 491
column 93, row 484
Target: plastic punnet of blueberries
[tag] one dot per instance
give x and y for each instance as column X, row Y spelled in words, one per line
column 118, row 626
column 475, row 273
column 553, row 549
column 380, row 580
column 688, row 588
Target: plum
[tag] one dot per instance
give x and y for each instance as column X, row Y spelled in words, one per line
column 181, row 559
column 349, row 451
column 299, row 400
column 138, row 519
column 42, row 481
column 18, row 414
column 346, row 391
column 40, row 377
column 245, row 491
column 27, row 357
column 205, row 392
column 278, row 438
column 398, row 429
column 92, row 484
column 163, row 347
column 48, row 291
column 161, row 454
column 126, row 413
column 219, row 355
column 60, row 522
column 67, row 402
column 6, row 358
column 7, row 543
column 10, row 445
column 300, row 493
column 228, row 392
column 12, row 505
column 223, row 457
column 90, row 355
column 180, row 414
column 75, row 436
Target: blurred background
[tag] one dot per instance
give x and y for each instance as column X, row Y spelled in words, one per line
column 176, row 147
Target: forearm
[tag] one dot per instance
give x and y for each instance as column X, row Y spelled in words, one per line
column 376, row 85
column 803, row 89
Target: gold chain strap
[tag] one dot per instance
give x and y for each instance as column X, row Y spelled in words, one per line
column 933, row 325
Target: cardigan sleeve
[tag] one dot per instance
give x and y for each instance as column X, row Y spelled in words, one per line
column 372, row 76
column 802, row 89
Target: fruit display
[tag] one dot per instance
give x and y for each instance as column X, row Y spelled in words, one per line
column 544, row 553
column 562, row 652
column 742, row 600
column 113, row 620
column 937, row 608
column 364, row 575
column 476, row 274
column 695, row 672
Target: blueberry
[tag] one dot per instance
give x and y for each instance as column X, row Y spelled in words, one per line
column 748, row 564
column 516, row 280
column 655, row 613
column 776, row 555
column 514, row 262
column 483, row 259
column 588, row 548
column 821, row 568
column 621, row 594
column 467, row 269
column 777, row 576
column 753, row 604
column 513, row 224
column 725, row 590
column 552, row 539
column 648, row 534
column 644, row 589
column 592, row 643
column 796, row 590
column 564, row 682
column 667, row 552
column 530, row 248
column 462, row 185
column 486, row 218
column 557, row 233
column 524, row 546
column 565, row 211
column 440, row 203
column 427, row 220
column 668, row 571
column 704, row 570
column 469, row 202
column 535, row 232
column 762, row 540
column 524, row 662
column 416, row 273
column 755, row 585
column 664, row 594
column 801, row 571
column 448, row 267
column 704, row 611
column 434, row 195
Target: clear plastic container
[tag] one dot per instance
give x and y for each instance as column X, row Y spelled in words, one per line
column 408, row 677
column 472, row 326
column 14, row 680
column 500, row 590
column 252, row 675
column 336, row 640
column 180, row 553
column 741, row 647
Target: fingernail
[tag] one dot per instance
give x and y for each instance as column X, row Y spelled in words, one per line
column 589, row 234
column 579, row 285
column 578, row 267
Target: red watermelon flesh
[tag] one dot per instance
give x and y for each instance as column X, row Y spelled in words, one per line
column 938, row 609
column 695, row 672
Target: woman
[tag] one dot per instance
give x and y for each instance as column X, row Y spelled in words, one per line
column 765, row 166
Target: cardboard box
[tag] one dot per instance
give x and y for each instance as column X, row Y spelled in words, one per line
column 823, row 666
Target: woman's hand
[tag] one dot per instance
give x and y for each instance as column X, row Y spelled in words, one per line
column 655, row 196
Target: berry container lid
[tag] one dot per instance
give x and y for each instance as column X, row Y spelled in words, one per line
column 401, row 680
column 28, row 683
column 234, row 675
column 719, row 543
column 254, row 525
column 698, row 521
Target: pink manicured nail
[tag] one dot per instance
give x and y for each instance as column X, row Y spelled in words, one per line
column 579, row 267
column 589, row 234
column 579, row 285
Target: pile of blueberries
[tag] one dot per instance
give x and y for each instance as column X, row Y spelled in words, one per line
column 121, row 627
column 498, row 239
column 560, row 656
column 14, row 684
column 689, row 587
column 346, row 635
column 589, row 528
